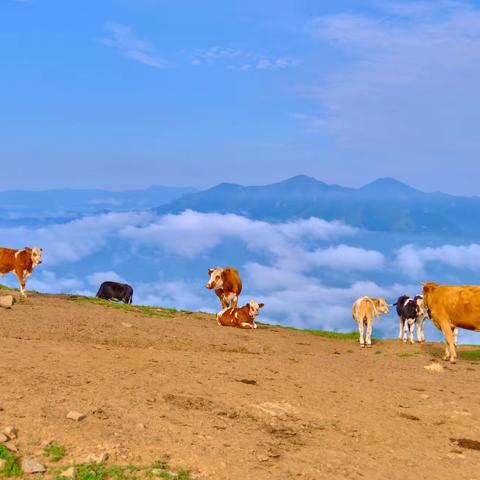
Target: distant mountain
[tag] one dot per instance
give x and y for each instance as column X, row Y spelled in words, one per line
column 49, row 203
column 385, row 205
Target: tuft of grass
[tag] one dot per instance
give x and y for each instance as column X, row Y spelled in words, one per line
column 11, row 468
column 140, row 309
column 327, row 334
column 92, row 471
column 470, row 355
column 54, row 452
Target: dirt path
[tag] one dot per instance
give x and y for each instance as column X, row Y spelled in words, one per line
column 232, row 404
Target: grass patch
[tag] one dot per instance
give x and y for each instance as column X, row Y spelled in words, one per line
column 140, row 309
column 93, row 471
column 326, row 333
column 11, row 468
column 470, row 355
column 54, row 452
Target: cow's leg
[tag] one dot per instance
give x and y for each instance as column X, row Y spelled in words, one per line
column 405, row 330
column 247, row 325
column 234, row 301
column 411, row 326
column 21, row 279
column 420, row 323
column 369, row 332
column 360, row 331
column 400, row 328
column 455, row 336
column 450, row 351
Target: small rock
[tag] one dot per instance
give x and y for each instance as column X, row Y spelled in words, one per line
column 434, row 367
column 11, row 446
column 29, row 465
column 2, row 463
column 127, row 325
column 100, row 458
column 11, row 432
column 6, row 301
column 3, row 438
column 425, row 396
column 70, row 473
column 140, row 426
column 76, row 416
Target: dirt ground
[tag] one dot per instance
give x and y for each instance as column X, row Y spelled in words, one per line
column 232, row 404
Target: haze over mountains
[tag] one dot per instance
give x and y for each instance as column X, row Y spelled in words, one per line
column 384, row 205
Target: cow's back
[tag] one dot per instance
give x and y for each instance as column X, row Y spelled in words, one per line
column 7, row 259
column 232, row 281
column 461, row 304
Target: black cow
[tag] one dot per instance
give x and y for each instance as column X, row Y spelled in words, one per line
column 411, row 311
column 116, row 291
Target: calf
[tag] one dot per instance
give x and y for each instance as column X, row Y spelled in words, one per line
column 363, row 311
column 227, row 285
column 411, row 312
column 243, row 317
column 116, row 291
column 20, row 262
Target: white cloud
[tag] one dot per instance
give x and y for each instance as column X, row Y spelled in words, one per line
column 409, row 87
column 239, row 58
column 123, row 39
column 96, row 279
column 413, row 260
column 46, row 281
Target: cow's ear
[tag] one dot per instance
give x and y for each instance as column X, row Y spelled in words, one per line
column 261, row 305
column 210, row 271
column 28, row 249
column 423, row 284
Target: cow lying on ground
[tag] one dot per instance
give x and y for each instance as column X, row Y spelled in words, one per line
column 363, row 311
column 450, row 307
column 227, row 285
column 116, row 291
column 411, row 312
column 243, row 317
column 20, row 262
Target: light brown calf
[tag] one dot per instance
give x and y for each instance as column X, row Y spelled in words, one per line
column 363, row 311
column 243, row 317
column 227, row 285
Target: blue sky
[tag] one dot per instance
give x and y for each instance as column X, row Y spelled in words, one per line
column 128, row 93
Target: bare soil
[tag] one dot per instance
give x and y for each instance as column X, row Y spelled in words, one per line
column 232, row 404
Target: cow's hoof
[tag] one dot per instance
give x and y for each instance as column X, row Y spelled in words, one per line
column 362, row 345
column 404, row 341
column 445, row 358
column 369, row 345
column 453, row 360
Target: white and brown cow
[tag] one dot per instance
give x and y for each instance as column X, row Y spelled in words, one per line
column 20, row 262
column 227, row 285
column 363, row 311
column 243, row 317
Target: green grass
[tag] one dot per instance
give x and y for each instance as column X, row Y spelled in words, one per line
column 11, row 468
column 326, row 333
column 92, row 471
column 141, row 309
column 54, row 452
column 470, row 355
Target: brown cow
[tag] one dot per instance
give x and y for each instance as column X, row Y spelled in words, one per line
column 243, row 317
column 20, row 262
column 227, row 285
column 363, row 311
column 450, row 307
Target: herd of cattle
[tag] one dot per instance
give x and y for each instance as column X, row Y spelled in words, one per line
column 449, row 307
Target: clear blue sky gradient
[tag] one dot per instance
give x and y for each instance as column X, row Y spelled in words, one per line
column 129, row 93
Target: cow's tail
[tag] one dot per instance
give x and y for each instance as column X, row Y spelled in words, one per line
column 130, row 300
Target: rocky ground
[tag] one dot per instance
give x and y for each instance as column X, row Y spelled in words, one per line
column 152, row 387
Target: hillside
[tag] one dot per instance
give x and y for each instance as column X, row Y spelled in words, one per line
column 385, row 205
column 172, row 388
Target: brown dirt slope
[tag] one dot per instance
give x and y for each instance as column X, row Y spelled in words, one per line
column 232, row 404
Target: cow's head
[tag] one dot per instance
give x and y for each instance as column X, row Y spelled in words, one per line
column 216, row 278
column 35, row 254
column 381, row 305
column 421, row 308
column 254, row 308
column 428, row 288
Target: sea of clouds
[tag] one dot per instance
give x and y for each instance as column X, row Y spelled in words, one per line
column 308, row 272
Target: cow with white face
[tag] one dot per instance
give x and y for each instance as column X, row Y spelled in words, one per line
column 243, row 317
column 227, row 285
